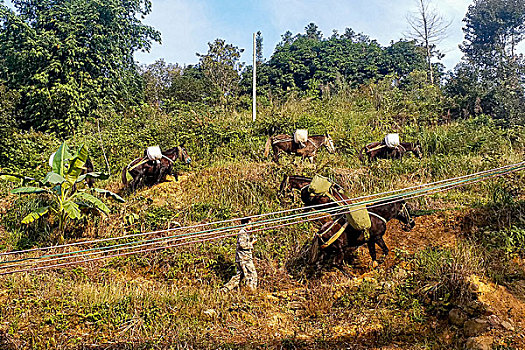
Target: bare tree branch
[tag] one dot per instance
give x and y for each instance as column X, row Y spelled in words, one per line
column 428, row 28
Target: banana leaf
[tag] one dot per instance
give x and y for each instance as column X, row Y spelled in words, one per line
column 72, row 209
column 37, row 214
column 76, row 164
column 28, row 190
column 60, row 159
column 92, row 202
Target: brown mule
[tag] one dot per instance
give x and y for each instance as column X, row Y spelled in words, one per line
column 285, row 144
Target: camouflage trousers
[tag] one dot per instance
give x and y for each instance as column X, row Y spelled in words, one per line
column 245, row 270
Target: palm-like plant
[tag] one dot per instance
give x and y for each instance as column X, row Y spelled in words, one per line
column 65, row 186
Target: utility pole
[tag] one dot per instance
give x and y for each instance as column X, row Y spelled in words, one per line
column 254, row 88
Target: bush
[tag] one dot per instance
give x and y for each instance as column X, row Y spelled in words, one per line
column 444, row 274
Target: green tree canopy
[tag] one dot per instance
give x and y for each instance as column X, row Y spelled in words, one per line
column 221, row 65
column 493, row 29
column 67, row 58
column 305, row 61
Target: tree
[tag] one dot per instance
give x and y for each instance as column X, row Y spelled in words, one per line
column 305, row 63
column 428, row 28
column 70, row 58
column 312, row 32
column 221, row 65
column 493, row 29
column 158, row 78
column 259, row 47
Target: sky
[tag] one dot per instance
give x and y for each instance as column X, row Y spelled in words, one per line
column 187, row 26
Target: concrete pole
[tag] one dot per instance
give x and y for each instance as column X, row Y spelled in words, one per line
column 254, row 87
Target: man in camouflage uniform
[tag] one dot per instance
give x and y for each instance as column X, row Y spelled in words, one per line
column 244, row 260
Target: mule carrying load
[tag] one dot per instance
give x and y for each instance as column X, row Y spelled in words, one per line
column 154, row 166
column 390, row 147
column 299, row 144
column 357, row 217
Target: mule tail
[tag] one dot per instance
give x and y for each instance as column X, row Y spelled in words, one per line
column 124, row 175
column 267, row 147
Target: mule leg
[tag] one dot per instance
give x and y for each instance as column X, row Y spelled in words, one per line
column 372, row 250
column 381, row 243
column 338, row 261
column 275, row 155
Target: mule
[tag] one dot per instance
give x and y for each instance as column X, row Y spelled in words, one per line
column 378, row 150
column 285, row 144
column 380, row 214
column 299, row 182
column 146, row 172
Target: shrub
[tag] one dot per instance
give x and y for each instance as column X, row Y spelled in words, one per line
column 444, row 274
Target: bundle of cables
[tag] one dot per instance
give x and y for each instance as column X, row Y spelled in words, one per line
column 58, row 256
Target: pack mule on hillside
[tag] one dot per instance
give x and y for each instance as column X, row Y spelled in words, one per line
column 379, row 150
column 285, row 143
column 349, row 237
column 149, row 172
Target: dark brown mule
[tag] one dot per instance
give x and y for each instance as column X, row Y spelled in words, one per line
column 286, row 144
column 150, row 172
column 380, row 214
column 299, row 182
column 378, row 150
column 351, row 237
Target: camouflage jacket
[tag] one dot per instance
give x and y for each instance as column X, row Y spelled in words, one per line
column 244, row 246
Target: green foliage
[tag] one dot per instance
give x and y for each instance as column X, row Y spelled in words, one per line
column 68, row 59
column 62, row 187
column 221, row 66
column 27, row 235
column 477, row 135
column 491, row 79
column 308, row 62
column 443, row 273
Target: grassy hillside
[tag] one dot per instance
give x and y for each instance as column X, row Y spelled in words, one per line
column 466, row 251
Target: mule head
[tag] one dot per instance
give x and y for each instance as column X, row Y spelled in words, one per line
column 329, row 143
column 404, row 216
column 183, row 155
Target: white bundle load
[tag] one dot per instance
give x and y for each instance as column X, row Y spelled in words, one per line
column 300, row 136
column 154, row 153
column 392, row 140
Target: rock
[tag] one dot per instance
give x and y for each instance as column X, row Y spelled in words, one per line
column 211, row 313
column 494, row 320
column 457, row 317
column 479, row 343
column 507, row 325
column 475, row 327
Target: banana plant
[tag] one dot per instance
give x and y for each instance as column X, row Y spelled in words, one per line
column 65, row 186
